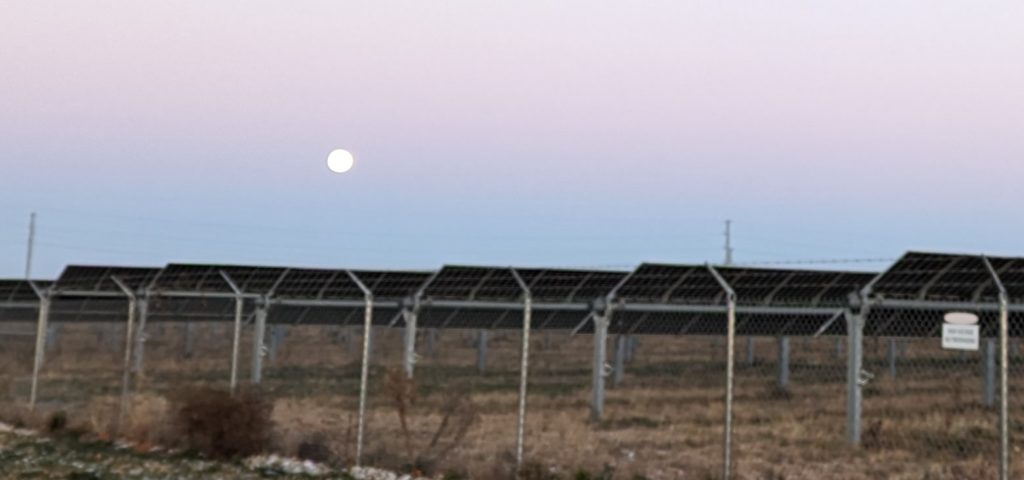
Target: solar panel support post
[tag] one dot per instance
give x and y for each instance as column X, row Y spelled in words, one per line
column 730, row 367
column 891, row 356
column 481, row 351
column 1004, row 335
column 364, row 377
column 524, row 367
column 989, row 372
column 601, row 322
column 45, row 296
column 258, row 340
column 237, row 336
column 129, row 340
column 277, row 333
column 784, row 351
column 619, row 370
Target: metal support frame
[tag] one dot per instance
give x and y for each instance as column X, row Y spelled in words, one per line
column 45, row 296
column 891, row 353
column 524, row 367
column 730, row 367
column 277, row 333
column 237, row 337
column 364, row 378
column 784, row 350
column 129, row 339
column 259, row 350
column 619, row 370
column 1004, row 334
column 988, row 396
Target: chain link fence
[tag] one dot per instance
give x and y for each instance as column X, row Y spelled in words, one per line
column 823, row 383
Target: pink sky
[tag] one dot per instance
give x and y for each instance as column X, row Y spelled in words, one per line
column 900, row 121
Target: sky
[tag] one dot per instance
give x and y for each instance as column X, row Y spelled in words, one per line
column 571, row 133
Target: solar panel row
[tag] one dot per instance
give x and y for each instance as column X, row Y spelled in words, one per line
column 486, row 297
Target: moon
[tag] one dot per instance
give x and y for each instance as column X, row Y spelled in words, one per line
column 340, row 161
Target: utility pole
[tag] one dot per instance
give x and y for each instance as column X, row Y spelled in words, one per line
column 728, row 242
column 31, row 244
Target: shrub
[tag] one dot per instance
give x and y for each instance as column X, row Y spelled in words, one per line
column 221, row 425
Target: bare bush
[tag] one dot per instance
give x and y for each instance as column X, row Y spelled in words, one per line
column 221, row 425
column 458, row 414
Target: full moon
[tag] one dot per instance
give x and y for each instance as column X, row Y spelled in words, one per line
column 340, row 161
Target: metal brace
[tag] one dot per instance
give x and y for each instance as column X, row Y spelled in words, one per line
column 865, row 377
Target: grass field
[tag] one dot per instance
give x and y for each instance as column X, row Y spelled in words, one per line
column 664, row 421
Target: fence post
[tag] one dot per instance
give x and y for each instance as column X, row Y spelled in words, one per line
column 409, row 341
column 600, row 358
column 524, row 368
column 41, row 330
column 1004, row 358
column 750, row 351
column 730, row 367
column 364, row 377
column 129, row 339
column 236, row 338
column 140, row 335
column 854, row 364
column 783, row 381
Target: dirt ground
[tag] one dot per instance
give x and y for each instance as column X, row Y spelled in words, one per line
column 664, row 420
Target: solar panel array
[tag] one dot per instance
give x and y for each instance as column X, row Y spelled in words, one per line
column 653, row 299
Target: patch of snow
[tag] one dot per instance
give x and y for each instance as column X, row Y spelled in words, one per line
column 291, row 466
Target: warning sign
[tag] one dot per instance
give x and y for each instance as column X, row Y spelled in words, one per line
column 960, row 337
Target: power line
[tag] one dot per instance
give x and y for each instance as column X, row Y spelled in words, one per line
column 822, row 261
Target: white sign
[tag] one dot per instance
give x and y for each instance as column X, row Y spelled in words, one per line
column 961, row 318
column 960, row 337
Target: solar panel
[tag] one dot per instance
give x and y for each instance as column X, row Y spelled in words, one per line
column 392, row 285
column 474, row 283
column 99, row 279
column 570, row 286
column 695, row 285
column 470, row 318
column 322, row 284
column 950, row 278
column 677, row 284
column 88, row 310
column 188, row 309
column 196, row 278
column 19, row 290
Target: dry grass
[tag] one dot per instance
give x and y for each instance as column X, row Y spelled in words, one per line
column 664, row 422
